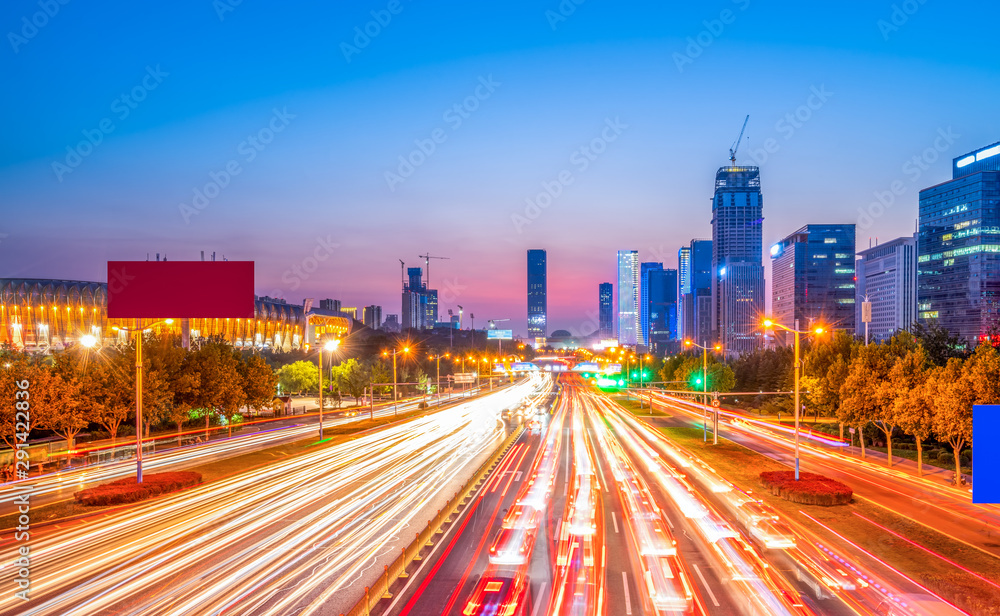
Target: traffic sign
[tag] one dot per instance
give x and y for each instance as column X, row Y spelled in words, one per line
column 715, row 403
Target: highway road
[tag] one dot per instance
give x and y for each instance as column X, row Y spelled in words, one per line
column 945, row 509
column 301, row 536
column 60, row 486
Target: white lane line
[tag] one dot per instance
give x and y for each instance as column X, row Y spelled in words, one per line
column 669, row 523
column 538, row 601
column 711, row 595
column 614, row 519
column 628, row 602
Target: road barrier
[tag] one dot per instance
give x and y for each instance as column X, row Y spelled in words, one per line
column 380, row 589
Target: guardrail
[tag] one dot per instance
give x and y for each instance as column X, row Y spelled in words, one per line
column 380, row 588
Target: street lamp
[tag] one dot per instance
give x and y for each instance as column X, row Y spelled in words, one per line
column 769, row 323
column 138, row 387
column 330, row 345
column 88, row 341
column 395, row 391
column 438, row 358
column 704, row 389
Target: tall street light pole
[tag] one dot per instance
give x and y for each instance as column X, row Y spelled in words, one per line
column 768, row 323
column 395, row 390
column 139, row 330
column 330, row 345
column 704, row 389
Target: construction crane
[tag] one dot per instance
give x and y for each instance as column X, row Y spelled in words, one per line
column 427, row 264
column 736, row 144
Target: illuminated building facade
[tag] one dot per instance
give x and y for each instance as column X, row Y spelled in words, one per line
column 45, row 315
column 737, row 268
column 812, row 279
column 958, row 246
column 887, row 276
column 537, row 298
column 629, row 333
column 606, row 309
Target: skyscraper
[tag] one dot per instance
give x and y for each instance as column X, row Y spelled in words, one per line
column 419, row 302
column 683, row 289
column 372, row 316
column 628, row 298
column 694, row 303
column 644, row 271
column 537, row 298
column 958, row 267
column 661, row 293
column 813, row 278
column 606, row 309
column 887, row 276
column 737, row 269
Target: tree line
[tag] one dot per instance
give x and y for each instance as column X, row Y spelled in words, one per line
column 75, row 389
column 922, row 384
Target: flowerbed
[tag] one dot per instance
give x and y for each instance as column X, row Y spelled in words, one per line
column 127, row 490
column 810, row 489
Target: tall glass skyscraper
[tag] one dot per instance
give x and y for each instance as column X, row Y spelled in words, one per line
column 698, row 302
column 537, row 300
column 606, row 309
column 628, row 298
column 958, row 267
column 661, row 306
column 683, row 288
column 645, row 269
column 737, row 269
column 812, row 278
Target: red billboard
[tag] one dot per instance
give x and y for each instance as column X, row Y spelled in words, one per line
column 180, row 289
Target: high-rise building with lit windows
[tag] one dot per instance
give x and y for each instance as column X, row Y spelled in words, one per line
column 812, row 278
column 629, row 333
column 887, row 278
column 606, row 309
column 683, row 288
column 737, row 268
column 645, row 270
column 958, row 267
column 537, row 299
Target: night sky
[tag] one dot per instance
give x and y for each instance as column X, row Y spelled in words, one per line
column 275, row 133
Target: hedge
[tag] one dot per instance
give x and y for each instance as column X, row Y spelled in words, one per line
column 810, row 489
column 127, row 490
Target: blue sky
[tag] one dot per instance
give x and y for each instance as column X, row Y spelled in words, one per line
column 314, row 127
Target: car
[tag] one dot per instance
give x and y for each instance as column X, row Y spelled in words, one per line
column 496, row 596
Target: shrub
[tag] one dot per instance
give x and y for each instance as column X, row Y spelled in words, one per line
column 422, row 405
column 946, row 457
column 931, row 454
column 127, row 490
column 965, row 461
column 810, row 489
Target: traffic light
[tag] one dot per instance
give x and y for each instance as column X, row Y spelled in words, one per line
column 635, row 375
column 695, row 380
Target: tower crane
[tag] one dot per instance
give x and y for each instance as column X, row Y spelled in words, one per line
column 736, row 144
column 427, row 264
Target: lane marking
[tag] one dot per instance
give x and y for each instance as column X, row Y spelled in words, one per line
column 711, row 595
column 669, row 523
column 538, row 601
column 614, row 519
column 628, row 602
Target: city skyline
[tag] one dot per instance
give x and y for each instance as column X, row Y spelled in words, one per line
column 328, row 163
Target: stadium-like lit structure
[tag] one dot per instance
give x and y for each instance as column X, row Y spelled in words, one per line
column 44, row 315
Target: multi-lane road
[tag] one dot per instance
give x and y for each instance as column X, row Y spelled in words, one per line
column 927, row 501
column 302, row 536
column 591, row 512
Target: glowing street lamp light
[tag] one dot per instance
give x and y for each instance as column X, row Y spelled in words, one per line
column 88, row 341
column 768, row 324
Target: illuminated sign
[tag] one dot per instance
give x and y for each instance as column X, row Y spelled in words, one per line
column 775, row 250
column 185, row 289
column 499, row 334
column 968, row 160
